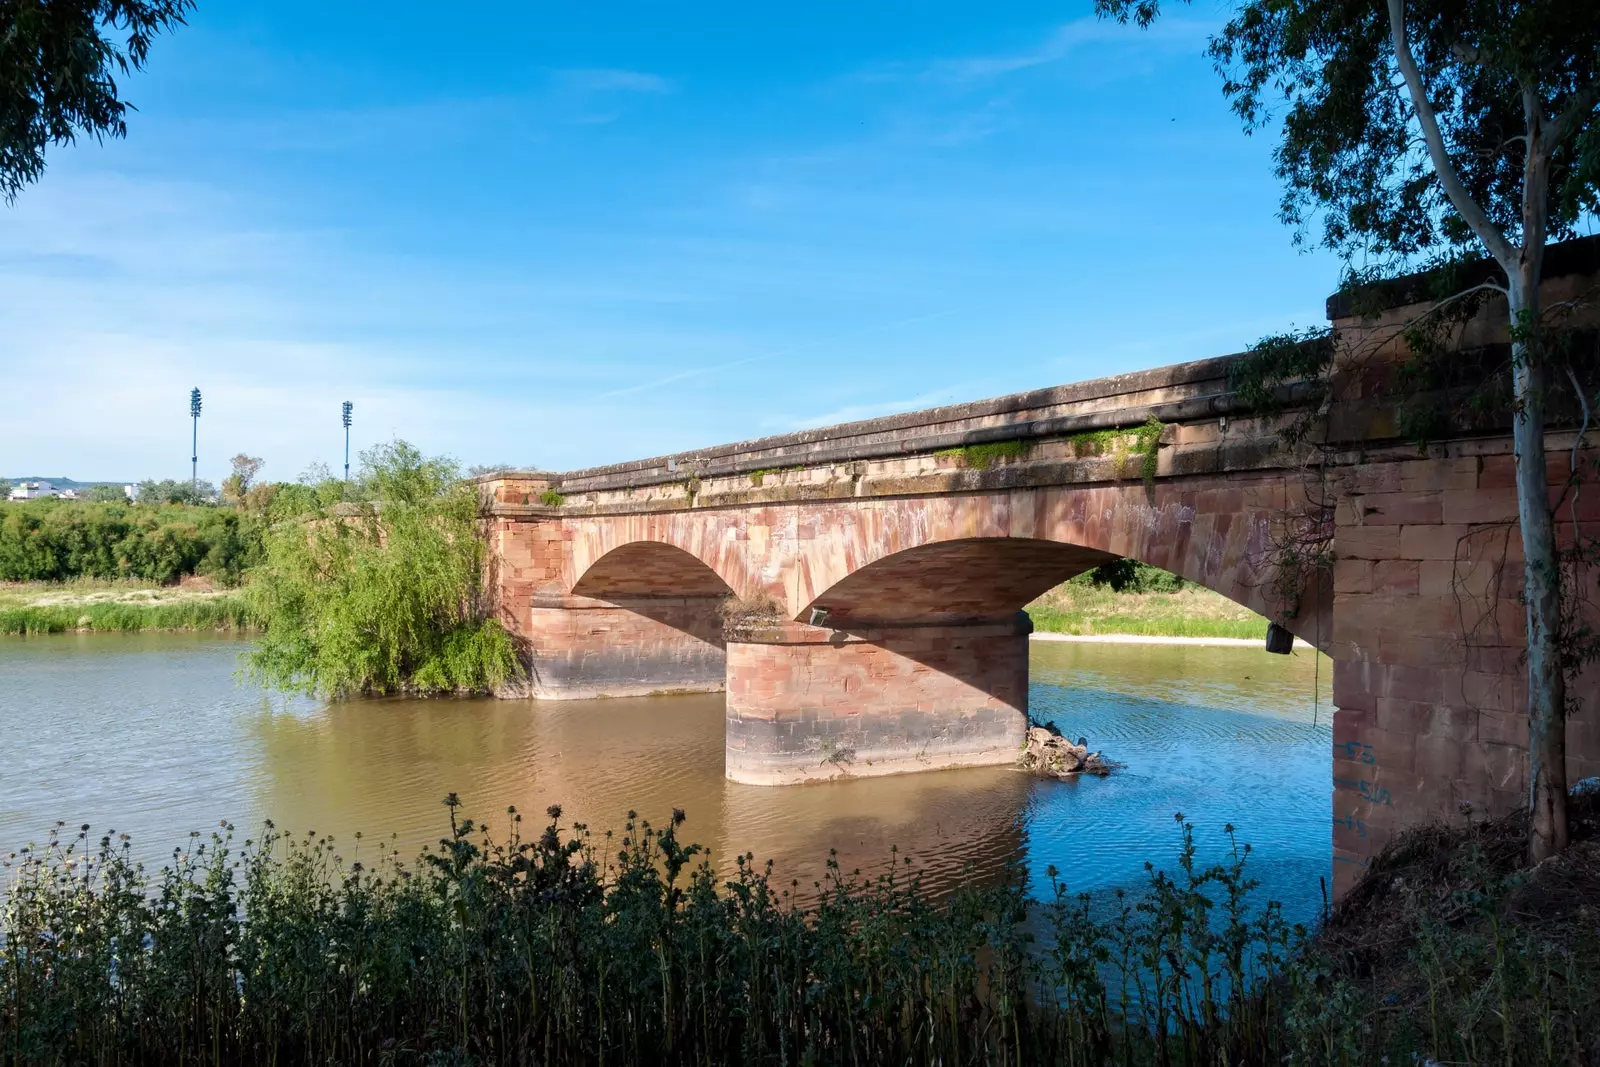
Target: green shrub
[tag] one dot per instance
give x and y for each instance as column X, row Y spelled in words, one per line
column 1131, row 576
column 382, row 593
column 54, row 540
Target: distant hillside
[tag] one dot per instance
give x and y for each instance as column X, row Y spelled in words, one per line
column 63, row 483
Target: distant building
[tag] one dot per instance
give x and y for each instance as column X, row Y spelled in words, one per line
column 35, row 490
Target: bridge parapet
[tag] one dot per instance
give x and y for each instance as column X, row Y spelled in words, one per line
column 1089, row 433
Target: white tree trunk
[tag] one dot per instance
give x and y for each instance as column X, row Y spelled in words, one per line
column 1547, row 694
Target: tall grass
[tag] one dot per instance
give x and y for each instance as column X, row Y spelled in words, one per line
column 211, row 613
column 1054, row 620
column 573, row 948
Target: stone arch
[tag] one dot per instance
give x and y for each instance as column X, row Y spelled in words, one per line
column 642, row 617
column 663, row 544
column 984, row 556
column 647, row 570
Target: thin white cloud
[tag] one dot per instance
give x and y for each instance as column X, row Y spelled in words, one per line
column 788, row 350
column 856, row 412
column 1060, row 43
column 612, row 80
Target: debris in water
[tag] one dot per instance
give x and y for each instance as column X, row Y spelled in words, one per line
column 1048, row 753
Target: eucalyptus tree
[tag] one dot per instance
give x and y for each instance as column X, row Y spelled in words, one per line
column 1424, row 130
column 59, row 64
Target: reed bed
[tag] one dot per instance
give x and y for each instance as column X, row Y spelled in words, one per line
column 210, row 613
column 574, row 948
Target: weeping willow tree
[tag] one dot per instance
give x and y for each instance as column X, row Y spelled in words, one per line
column 382, row 592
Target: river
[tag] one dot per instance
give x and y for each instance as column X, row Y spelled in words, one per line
column 154, row 735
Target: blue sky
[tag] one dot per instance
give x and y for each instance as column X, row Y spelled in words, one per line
column 564, row 235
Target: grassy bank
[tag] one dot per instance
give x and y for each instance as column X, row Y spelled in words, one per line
column 1192, row 611
column 90, row 605
column 567, row 948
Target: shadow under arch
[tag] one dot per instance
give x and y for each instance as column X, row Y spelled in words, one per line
column 649, row 569
column 644, row 618
column 991, row 579
column 979, row 579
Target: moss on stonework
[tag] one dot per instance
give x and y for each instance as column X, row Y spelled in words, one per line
column 1146, row 443
column 982, row 457
column 757, row 477
column 551, row 499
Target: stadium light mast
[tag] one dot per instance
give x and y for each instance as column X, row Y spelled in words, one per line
column 345, row 416
column 194, row 445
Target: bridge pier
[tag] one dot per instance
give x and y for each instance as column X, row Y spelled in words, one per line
column 627, row 646
column 807, row 703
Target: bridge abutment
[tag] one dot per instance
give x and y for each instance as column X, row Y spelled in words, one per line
column 581, row 648
column 810, row 704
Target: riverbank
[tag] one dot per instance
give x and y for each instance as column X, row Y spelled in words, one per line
column 91, row 606
column 1079, row 609
column 1075, row 610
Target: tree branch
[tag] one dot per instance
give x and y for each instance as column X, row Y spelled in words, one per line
column 1497, row 243
column 1582, row 102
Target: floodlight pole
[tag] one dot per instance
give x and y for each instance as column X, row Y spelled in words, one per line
column 194, row 444
column 345, row 415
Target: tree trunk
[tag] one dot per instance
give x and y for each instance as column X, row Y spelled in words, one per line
column 1547, row 696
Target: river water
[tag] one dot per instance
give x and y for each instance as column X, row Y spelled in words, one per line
column 154, row 735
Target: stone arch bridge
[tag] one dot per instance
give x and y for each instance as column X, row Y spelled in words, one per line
column 856, row 590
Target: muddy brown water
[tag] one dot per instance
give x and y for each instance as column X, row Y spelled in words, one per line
column 155, row 735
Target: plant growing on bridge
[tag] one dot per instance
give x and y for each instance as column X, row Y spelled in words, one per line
column 382, row 595
column 1145, row 443
column 983, row 456
column 1442, row 129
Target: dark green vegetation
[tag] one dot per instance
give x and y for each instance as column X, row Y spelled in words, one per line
column 380, row 593
column 569, row 948
column 53, row 540
column 212, row 613
column 59, row 61
column 1131, row 576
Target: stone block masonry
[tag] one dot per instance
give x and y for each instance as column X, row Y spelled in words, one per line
column 1428, row 632
column 809, row 704
column 876, row 569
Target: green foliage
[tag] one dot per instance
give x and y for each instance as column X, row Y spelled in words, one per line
column 168, row 491
column 565, row 948
column 236, row 486
column 58, row 67
column 52, row 540
column 1146, row 443
column 983, row 456
column 1348, row 152
column 105, row 494
column 551, row 499
column 213, row 613
column 760, row 476
column 383, row 594
column 1132, row 576
column 1299, row 358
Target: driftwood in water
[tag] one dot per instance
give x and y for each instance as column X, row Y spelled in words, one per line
column 1048, row 753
